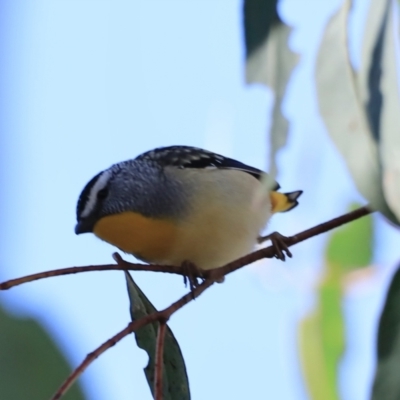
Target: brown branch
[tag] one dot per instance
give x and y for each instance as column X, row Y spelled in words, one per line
column 163, row 316
column 159, row 362
column 214, row 274
column 327, row 226
column 269, row 252
column 133, row 326
column 123, row 265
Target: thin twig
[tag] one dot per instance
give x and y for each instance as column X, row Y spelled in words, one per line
column 132, row 327
column 159, row 362
column 125, row 266
column 326, row 226
column 268, row 252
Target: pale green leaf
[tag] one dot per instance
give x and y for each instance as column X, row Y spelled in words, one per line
column 390, row 118
column 344, row 113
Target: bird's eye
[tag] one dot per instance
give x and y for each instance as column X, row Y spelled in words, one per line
column 102, row 194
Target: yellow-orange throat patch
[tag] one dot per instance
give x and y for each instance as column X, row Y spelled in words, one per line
column 148, row 238
column 279, row 202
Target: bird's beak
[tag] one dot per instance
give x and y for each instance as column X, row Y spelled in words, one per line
column 83, row 226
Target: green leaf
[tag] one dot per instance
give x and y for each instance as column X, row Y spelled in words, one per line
column 386, row 383
column 350, row 246
column 322, row 336
column 175, row 379
column 31, row 365
column 352, row 105
column 322, row 342
column 332, row 325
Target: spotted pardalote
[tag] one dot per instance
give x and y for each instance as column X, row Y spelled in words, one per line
column 181, row 204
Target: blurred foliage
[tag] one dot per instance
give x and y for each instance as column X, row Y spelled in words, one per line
column 31, row 365
column 350, row 247
column 175, row 379
column 387, row 383
column 361, row 107
column 271, row 62
column 259, row 16
column 322, row 333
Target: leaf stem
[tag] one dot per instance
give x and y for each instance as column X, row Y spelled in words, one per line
column 159, row 362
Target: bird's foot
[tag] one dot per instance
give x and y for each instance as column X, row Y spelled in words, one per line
column 192, row 274
column 279, row 243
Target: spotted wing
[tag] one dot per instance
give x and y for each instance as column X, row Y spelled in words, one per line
column 194, row 157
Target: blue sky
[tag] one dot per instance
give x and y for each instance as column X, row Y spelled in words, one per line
column 86, row 84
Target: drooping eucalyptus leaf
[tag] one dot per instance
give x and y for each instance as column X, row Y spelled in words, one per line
column 175, row 379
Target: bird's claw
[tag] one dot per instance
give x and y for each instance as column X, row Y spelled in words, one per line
column 279, row 244
column 191, row 275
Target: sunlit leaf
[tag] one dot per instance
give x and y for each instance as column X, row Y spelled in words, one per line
column 322, row 341
column 31, row 365
column 390, row 118
column 350, row 246
column 175, row 379
column 322, row 336
column 351, row 107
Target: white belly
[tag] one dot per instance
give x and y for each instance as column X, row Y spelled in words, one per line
column 224, row 222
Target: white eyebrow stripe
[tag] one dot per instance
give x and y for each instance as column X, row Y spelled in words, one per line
column 101, row 183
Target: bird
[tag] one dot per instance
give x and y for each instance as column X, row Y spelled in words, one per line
column 181, row 204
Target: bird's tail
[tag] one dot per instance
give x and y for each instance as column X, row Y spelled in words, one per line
column 282, row 202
